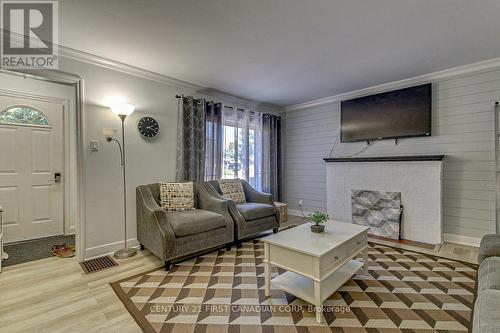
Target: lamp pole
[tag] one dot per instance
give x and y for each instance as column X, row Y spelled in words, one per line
column 123, row 110
column 125, row 252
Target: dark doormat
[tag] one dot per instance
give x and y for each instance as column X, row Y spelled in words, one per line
column 21, row 252
column 98, row 264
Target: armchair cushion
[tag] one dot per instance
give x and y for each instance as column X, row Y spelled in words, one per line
column 489, row 274
column 192, row 222
column 176, row 196
column 490, row 247
column 253, row 211
column 232, row 189
column 486, row 317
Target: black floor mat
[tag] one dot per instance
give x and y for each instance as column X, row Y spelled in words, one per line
column 33, row 249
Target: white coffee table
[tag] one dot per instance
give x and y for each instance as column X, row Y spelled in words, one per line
column 317, row 264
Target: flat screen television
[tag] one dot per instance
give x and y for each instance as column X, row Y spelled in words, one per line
column 395, row 114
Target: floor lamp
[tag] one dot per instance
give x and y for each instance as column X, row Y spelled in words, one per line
column 122, row 110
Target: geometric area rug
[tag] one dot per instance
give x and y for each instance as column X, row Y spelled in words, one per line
column 223, row 291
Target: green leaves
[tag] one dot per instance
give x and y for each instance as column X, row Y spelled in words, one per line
column 319, row 217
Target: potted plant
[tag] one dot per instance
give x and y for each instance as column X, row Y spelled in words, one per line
column 318, row 218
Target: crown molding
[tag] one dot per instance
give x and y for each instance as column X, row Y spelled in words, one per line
column 70, row 53
column 96, row 60
column 92, row 59
column 439, row 75
column 74, row 54
column 77, row 55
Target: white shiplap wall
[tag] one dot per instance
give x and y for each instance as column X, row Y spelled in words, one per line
column 463, row 129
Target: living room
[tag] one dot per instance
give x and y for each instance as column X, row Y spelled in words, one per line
column 241, row 166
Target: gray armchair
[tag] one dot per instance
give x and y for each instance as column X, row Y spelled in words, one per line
column 257, row 215
column 486, row 315
column 174, row 236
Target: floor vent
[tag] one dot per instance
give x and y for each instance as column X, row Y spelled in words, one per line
column 98, row 264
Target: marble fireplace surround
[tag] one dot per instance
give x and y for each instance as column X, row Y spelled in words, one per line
column 418, row 178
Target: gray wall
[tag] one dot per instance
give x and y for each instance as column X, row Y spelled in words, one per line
column 147, row 162
column 463, row 129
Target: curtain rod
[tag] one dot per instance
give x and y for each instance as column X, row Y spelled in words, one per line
column 200, row 99
column 226, row 106
column 194, row 99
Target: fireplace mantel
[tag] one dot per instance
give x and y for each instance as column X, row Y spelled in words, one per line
column 406, row 158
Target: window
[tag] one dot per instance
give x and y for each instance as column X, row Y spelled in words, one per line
column 244, row 144
column 241, row 146
column 23, row 115
column 237, row 161
column 231, row 164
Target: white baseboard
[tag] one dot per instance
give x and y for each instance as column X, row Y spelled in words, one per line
column 464, row 240
column 295, row 212
column 106, row 249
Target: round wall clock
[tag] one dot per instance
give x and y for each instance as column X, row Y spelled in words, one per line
column 148, row 128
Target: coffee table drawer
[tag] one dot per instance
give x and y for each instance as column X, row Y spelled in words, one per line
column 358, row 243
column 291, row 260
column 333, row 259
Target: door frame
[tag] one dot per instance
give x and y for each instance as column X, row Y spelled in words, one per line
column 74, row 141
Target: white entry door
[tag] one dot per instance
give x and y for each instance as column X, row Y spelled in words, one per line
column 31, row 156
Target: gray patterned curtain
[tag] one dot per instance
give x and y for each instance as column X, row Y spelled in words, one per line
column 214, row 140
column 190, row 139
column 271, row 155
column 200, row 144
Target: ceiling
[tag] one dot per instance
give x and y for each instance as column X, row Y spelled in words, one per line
column 285, row 51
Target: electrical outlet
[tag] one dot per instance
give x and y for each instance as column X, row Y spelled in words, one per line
column 300, row 203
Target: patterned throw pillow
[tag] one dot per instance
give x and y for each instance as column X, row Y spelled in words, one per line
column 232, row 189
column 176, row 197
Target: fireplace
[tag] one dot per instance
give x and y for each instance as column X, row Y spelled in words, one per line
column 418, row 180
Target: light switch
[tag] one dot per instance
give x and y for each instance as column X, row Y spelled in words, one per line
column 94, row 145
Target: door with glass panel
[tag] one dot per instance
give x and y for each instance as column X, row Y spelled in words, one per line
column 31, row 168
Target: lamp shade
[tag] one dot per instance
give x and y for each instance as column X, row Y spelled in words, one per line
column 122, row 108
column 109, row 133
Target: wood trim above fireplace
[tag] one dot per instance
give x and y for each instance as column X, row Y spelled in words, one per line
column 387, row 158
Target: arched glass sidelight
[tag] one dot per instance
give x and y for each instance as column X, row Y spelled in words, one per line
column 23, row 115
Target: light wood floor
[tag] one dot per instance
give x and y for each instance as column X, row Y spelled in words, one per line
column 54, row 295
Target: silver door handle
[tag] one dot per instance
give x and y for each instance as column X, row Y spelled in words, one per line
column 57, row 177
